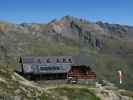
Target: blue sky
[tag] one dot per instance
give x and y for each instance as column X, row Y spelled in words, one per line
column 113, row 11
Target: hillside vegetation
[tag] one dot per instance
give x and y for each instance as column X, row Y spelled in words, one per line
column 110, row 45
column 15, row 87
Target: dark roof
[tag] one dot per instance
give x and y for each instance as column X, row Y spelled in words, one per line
column 47, row 59
column 74, row 60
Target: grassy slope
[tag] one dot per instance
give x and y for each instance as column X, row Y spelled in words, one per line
column 12, row 85
column 66, row 93
column 108, row 65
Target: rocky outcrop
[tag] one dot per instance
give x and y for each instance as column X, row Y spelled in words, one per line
column 108, row 91
column 15, row 87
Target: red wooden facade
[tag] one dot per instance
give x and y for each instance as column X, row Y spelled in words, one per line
column 81, row 72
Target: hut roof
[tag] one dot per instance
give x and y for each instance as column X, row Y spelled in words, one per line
column 73, row 60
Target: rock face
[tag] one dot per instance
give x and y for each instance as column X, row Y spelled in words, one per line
column 110, row 44
column 15, row 87
column 25, row 39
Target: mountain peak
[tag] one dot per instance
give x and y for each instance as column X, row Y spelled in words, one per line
column 72, row 18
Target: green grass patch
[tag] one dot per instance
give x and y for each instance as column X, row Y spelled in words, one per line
column 74, row 93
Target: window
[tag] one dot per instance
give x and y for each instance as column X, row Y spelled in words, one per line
column 64, row 60
column 58, row 61
column 48, row 60
column 49, row 68
column 70, row 60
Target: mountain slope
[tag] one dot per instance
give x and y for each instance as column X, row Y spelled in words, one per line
column 110, row 45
